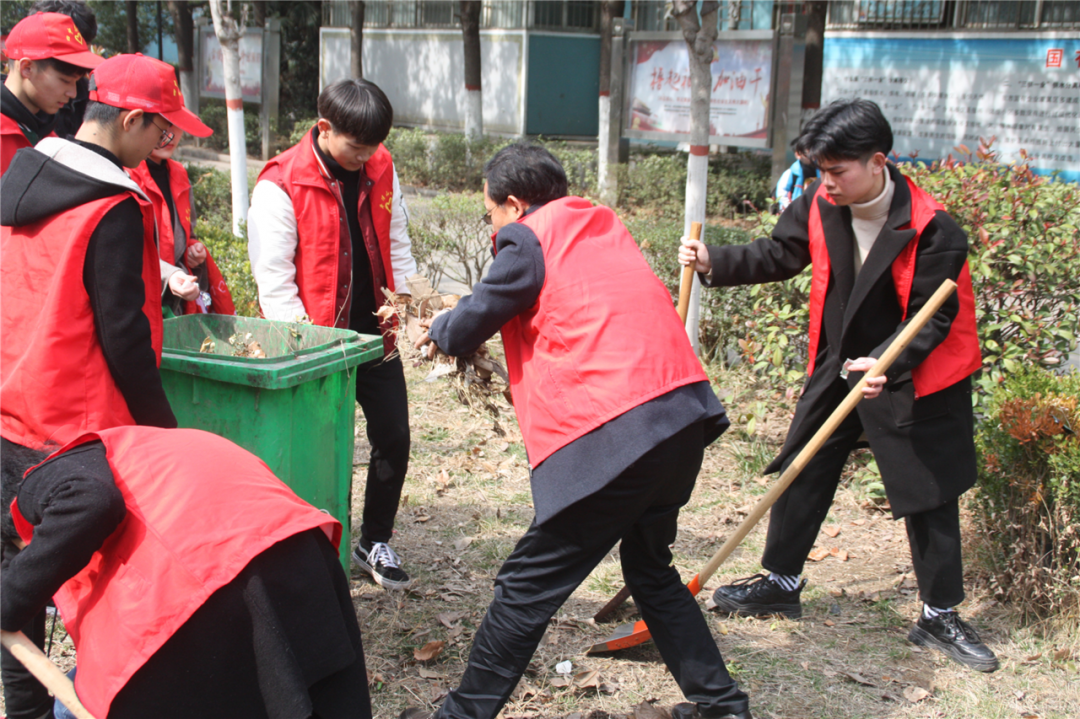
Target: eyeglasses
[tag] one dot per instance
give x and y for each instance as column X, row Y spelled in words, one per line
column 486, row 219
column 167, row 136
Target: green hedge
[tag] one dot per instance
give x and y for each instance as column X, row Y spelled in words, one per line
column 1029, row 491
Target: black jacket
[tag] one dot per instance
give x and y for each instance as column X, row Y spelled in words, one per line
column 925, row 447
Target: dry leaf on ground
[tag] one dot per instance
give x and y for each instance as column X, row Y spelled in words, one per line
column 429, row 651
column 915, row 694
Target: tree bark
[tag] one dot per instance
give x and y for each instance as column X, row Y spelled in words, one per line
column 700, row 38
column 470, row 33
column 131, row 15
column 185, row 49
column 356, row 37
column 814, row 61
column 607, row 142
column 229, row 32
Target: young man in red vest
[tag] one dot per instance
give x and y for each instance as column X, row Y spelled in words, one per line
column 879, row 247
column 80, row 280
column 327, row 232
column 166, row 183
column 48, row 57
column 192, row 581
column 615, row 430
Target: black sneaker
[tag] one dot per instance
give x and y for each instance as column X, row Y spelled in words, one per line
column 384, row 566
column 689, row 710
column 758, row 596
column 416, row 713
column 950, row 634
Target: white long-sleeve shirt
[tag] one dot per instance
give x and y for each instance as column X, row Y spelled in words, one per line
column 272, row 242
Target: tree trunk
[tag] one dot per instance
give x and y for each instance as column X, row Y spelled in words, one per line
column 131, row 15
column 259, row 13
column 700, row 39
column 185, row 49
column 356, row 37
column 229, row 32
column 813, row 63
column 607, row 145
column 470, row 32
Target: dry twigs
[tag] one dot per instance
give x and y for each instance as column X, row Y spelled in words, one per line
column 478, row 378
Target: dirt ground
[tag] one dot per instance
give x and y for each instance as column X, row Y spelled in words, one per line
column 467, row 500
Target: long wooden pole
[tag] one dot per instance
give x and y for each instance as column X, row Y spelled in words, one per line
column 688, row 277
column 639, row 634
column 44, row 671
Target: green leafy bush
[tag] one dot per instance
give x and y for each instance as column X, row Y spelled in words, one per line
column 1028, row 495
column 738, row 184
column 449, row 238
column 215, row 116
column 1024, row 235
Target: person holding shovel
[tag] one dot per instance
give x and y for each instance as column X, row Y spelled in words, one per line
column 193, row 582
column 615, row 412
column 879, row 247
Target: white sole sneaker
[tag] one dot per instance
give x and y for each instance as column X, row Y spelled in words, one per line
column 379, row 579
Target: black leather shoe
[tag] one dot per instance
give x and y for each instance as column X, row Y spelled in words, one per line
column 950, row 634
column 759, row 596
column 689, row 710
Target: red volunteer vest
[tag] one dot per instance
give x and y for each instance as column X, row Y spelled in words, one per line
column 199, row 509
column 54, row 382
column 603, row 336
column 221, row 301
column 958, row 355
column 12, row 140
column 323, row 278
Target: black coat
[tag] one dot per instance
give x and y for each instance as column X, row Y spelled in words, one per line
column 924, row 448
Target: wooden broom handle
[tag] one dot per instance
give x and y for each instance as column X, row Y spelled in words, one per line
column 839, row 415
column 44, row 671
column 688, row 277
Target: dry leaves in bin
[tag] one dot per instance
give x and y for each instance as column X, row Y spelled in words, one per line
column 242, row 346
column 479, row 378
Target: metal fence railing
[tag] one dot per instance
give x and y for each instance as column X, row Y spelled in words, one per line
column 953, row 15
column 651, row 15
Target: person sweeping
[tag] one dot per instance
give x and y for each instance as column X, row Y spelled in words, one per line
column 879, row 247
column 615, row 412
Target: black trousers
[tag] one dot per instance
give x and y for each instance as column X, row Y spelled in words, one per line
column 640, row 508
column 24, row 696
column 384, row 400
column 796, row 518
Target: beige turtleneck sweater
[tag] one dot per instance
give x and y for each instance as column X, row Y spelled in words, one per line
column 867, row 220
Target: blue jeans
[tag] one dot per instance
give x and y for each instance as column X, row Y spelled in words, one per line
column 59, row 710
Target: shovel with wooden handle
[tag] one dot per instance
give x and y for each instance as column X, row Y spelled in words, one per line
column 44, row 671
column 685, row 286
column 631, row 635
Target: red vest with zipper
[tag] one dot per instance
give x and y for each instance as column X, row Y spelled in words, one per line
column 12, row 140
column 603, row 336
column 958, row 355
column 199, row 509
column 323, row 280
column 221, row 301
column 54, row 381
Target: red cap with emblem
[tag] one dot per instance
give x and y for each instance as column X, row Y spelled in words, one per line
column 137, row 82
column 46, row 35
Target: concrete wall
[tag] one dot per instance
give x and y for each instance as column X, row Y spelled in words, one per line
column 423, row 71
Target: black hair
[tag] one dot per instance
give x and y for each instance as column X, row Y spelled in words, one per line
column 79, row 12
column 528, row 172
column 15, row 459
column 846, row 130
column 104, row 114
column 357, row 108
column 63, row 68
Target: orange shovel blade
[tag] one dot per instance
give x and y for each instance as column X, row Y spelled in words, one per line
column 631, row 635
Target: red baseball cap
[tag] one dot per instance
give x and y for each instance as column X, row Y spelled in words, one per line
column 137, row 82
column 50, row 35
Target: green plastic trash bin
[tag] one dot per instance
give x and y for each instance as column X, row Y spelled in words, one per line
column 295, row 409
